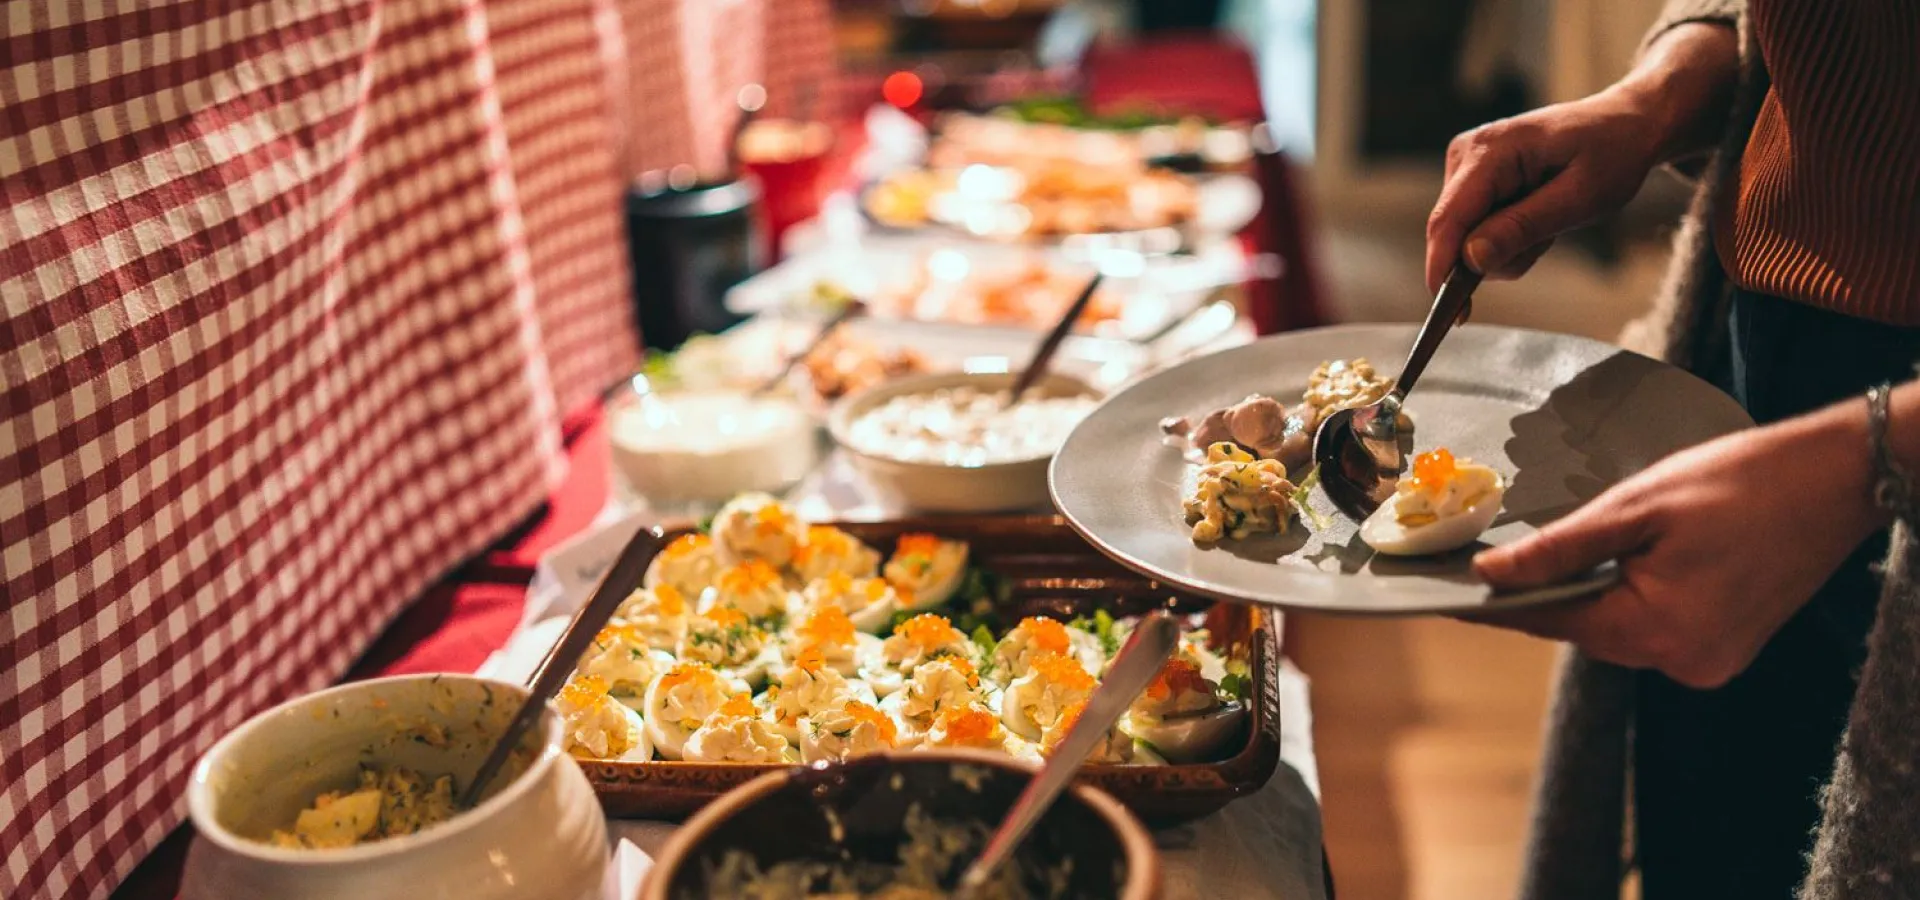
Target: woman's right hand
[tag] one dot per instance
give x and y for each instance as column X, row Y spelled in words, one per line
column 1514, row 185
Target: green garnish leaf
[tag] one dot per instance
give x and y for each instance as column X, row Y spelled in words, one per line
column 1236, row 686
column 983, row 638
column 1300, row 495
column 1103, row 629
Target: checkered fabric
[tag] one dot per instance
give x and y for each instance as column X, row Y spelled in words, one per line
column 292, row 295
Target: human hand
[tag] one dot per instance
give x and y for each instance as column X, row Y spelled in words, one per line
column 1719, row 545
column 1514, row 185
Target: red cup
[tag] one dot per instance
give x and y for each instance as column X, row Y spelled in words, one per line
column 794, row 163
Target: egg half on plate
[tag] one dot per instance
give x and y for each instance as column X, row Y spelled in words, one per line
column 1443, row 505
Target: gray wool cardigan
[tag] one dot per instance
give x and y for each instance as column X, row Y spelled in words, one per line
column 1868, row 844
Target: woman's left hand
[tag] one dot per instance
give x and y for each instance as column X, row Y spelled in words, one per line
column 1719, row 545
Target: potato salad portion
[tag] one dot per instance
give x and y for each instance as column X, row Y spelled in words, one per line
column 1235, row 496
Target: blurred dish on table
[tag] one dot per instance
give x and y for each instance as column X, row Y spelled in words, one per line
column 691, row 446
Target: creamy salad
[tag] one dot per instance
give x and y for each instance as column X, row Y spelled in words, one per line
column 965, row 426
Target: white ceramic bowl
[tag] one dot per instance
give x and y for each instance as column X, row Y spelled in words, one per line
column 931, row 487
column 707, row 446
column 540, row 834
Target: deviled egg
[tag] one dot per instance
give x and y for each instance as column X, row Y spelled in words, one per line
column 689, row 563
column 926, row 570
column 949, row 682
column 622, row 658
column 735, row 733
column 724, row 638
column 850, row 729
column 754, row 588
column 1445, row 504
column 828, row 631
column 918, row 640
column 659, row 614
column 756, row 526
column 830, row 551
column 967, row 726
column 1182, row 717
column 870, row 602
column 1114, row 748
column 1035, row 635
column 598, row 728
column 1035, row 702
column 678, row 702
column 807, row 687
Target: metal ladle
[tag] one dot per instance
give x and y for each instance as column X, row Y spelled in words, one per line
column 1359, row 451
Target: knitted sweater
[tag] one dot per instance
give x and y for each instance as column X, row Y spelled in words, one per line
column 1868, row 845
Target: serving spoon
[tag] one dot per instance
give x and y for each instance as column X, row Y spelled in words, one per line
column 853, row 309
column 1043, row 355
column 1147, row 650
column 1358, row 451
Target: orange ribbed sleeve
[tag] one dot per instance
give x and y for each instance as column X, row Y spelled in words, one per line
column 1828, row 206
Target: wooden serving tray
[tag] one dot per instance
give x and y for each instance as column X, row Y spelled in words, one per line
column 1047, row 569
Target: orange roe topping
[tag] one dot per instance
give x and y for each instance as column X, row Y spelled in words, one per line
column 809, row 659
column 876, row 589
column 916, row 545
column 586, row 690
column 771, row 517
column 966, row 725
column 881, row 723
column 838, row 583
column 827, row 625
column 1432, row 471
column 686, row 673
column 738, row 705
column 928, row 631
column 672, row 602
column 1063, row 671
column 687, row 543
column 1178, row 675
column 1068, row 717
column 820, row 538
column 1046, row 635
column 960, row 664
column 726, row 616
column 748, row 576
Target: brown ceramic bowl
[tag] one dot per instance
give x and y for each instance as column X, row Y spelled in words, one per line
column 797, row 814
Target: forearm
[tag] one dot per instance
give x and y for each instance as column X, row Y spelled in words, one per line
column 1685, row 79
column 1837, row 452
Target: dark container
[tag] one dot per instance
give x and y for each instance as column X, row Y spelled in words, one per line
column 688, row 246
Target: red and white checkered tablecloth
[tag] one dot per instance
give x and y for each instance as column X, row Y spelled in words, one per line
column 292, row 296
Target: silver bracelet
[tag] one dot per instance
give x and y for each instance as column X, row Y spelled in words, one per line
column 1892, row 486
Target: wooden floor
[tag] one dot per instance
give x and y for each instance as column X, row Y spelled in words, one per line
column 1426, row 733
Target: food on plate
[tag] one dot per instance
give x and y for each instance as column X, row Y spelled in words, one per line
column 1034, row 702
column 827, row 630
column 779, row 663
column 1035, row 635
column 950, row 682
column 1115, row 747
column 1444, row 504
column 968, row 726
column 1267, row 429
column 930, row 852
column 688, row 564
column 852, row 728
column 757, row 527
column 830, row 551
column 735, row 733
column 1236, row 495
column 624, row 658
column 1182, row 716
column 843, row 365
column 966, row 426
column 902, row 200
column 925, row 570
column 658, row 615
column 1035, row 198
column 869, row 602
column 1343, row 384
column 678, row 702
column 724, row 638
column 755, row 589
column 597, row 727
column 389, row 802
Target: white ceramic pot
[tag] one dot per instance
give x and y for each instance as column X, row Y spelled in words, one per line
column 540, row 834
column 930, row 487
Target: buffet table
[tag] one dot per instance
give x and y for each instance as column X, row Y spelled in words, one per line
column 1267, row 845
